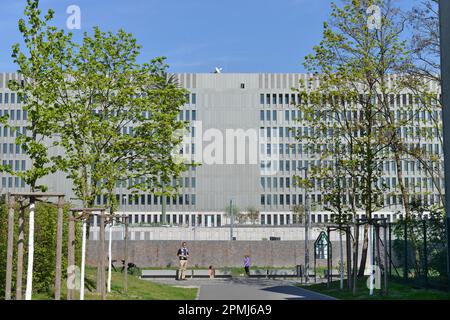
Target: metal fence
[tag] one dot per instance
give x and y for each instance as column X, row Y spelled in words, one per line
column 418, row 253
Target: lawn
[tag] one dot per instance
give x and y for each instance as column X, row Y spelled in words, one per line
column 397, row 291
column 137, row 289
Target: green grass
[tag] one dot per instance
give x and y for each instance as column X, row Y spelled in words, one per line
column 397, row 291
column 137, row 289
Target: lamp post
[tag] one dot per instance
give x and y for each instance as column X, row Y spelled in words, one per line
column 307, row 225
column 231, row 219
column 444, row 17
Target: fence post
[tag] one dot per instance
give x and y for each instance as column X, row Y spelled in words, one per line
column 405, row 266
column 390, row 250
column 425, row 252
column 349, row 257
column 386, row 265
column 355, row 258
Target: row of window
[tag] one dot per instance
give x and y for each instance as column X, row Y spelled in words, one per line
column 387, row 200
column 9, row 98
column 11, row 148
column 12, row 97
column 292, row 132
column 13, row 182
column 12, row 131
column 176, row 219
column 191, row 98
column 393, row 100
column 149, row 199
column 284, row 199
column 188, row 115
column 390, row 183
column 387, row 166
column 183, row 182
column 17, row 114
column 16, row 165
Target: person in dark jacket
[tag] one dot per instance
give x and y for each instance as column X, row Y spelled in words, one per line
column 183, row 255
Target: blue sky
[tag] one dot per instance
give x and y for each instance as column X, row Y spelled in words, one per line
column 195, row 35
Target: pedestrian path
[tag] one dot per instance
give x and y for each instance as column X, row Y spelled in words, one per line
column 247, row 289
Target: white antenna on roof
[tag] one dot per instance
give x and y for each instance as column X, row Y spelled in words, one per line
column 218, row 70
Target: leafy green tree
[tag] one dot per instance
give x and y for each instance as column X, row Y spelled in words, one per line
column 252, row 214
column 234, row 213
column 349, row 98
column 298, row 213
column 40, row 62
column 117, row 121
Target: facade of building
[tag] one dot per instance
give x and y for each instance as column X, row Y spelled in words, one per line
column 242, row 135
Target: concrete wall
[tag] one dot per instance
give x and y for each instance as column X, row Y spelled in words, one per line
column 286, row 233
column 217, row 253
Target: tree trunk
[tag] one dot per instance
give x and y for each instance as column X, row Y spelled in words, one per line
column 110, row 250
column 59, row 236
column 102, row 256
column 70, row 253
column 29, row 288
column 10, row 249
column 341, row 267
column 362, row 265
column 83, row 258
column 125, row 284
column 404, row 192
column 20, row 244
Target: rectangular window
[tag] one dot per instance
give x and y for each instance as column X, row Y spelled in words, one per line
column 194, row 115
column 13, row 98
column 274, row 115
column 261, row 115
column 261, row 99
column 6, row 98
column 194, row 98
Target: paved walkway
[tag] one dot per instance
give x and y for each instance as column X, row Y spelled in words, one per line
column 246, row 289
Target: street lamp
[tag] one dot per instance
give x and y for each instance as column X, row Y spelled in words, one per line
column 231, row 220
column 307, row 224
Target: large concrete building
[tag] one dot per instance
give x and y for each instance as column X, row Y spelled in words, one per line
column 243, row 138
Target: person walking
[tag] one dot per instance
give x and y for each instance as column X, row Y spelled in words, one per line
column 247, row 265
column 183, row 255
column 212, row 272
